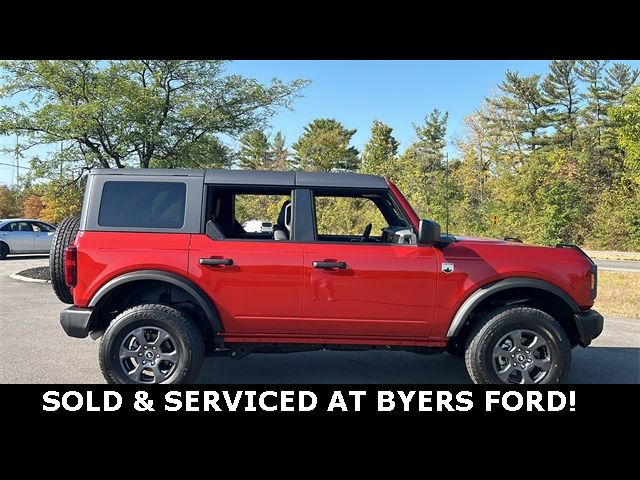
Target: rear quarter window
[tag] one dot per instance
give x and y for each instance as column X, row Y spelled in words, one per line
column 142, row 204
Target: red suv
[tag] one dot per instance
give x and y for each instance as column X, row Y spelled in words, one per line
column 160, row 267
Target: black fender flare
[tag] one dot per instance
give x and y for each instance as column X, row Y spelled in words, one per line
column 204, row 302
column 515, row 282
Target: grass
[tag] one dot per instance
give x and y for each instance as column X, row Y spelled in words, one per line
column 618, row 294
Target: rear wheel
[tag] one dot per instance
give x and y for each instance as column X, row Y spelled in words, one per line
column 518, row 345
column 151, row 343
column 62, row 238
column 4, row 250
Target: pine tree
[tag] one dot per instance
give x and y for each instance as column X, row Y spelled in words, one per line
column 560, row 87
column 324, row 147
column 525, row 91
column 592, row 72
column 255, row 151
column 619, row 80
column 431, row 142
column 279, row 152
column 380, row 151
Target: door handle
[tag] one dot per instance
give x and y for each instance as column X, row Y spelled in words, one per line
column 340, row 265
column 216, row 261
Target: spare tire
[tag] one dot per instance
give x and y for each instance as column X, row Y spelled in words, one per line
column 62, row 238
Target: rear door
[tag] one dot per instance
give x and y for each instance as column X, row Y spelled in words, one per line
column 254, row 281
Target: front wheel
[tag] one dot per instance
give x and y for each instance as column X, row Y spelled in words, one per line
column 518, row 345
column 151, row 343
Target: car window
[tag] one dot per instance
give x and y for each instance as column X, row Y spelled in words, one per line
column 19, row 227
column 247, row 214
column 347, row 216
column 142, row 204
column 6, row 227
column 40, row 227
column 44, row 227
column 367, row 217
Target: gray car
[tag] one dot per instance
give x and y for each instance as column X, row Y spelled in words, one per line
column 25, row 235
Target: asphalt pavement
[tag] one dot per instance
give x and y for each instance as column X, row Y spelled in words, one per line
column 34, row 349
column 618, row 265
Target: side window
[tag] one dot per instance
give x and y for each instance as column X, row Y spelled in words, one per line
column 142, row 204
column 44, row 227
column 364, row 217
column 36, row 227
column 250, row 215
column 6, row 228
column 347, row 216
column 19, row 227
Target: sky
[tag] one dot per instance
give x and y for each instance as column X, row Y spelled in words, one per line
column 399, row 93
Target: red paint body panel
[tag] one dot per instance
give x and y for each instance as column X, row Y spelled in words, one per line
column 480, row 262
column 261, row 292
column 106, row 255
column 385, row 290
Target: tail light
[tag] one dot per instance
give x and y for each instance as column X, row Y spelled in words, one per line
column 71, row 266
column 594, row 281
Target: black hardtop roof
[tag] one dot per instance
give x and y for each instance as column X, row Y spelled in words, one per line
column 259, row 177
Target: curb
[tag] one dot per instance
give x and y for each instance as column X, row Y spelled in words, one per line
column 15, row 276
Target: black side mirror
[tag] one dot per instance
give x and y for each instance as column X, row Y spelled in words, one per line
column 429, row 232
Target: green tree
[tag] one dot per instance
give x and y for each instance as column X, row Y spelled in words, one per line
column 429, row 147
column 423, row 168
column 9, row 202
column 135, row 113
column 619, row 80
column 627, row 117
column 592, row 73
column 560, row 87
column 255, row 151
column 379, row 155
column 519, row 110
column 279, row 152
column 324, row 147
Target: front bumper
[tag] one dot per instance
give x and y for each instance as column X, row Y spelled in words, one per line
column 590, row 324
column 76, row 321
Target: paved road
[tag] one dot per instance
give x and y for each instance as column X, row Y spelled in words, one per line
column 34, row 349
column 619, row 265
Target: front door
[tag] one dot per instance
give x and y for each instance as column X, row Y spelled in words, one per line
column 42, row 236
column 254, row 279
column 357, row 282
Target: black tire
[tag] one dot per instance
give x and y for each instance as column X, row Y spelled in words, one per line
column 553, row 352
column 185, row 338
column 4, row 250
column 62, row 238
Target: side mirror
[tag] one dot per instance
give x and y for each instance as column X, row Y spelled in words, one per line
column 429, row 232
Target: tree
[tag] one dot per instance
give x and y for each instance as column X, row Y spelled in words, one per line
column 279, row 152
column 255, row 151
column 592, row 72
column 324, row 147
column 560, row 87
column 379, row 156
column 32, row 206
column 9, row 202
column 519, row 109
column 627, row 117
column 428, row 149
column 62, row 199
column 619, row 80
column 135, row 113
